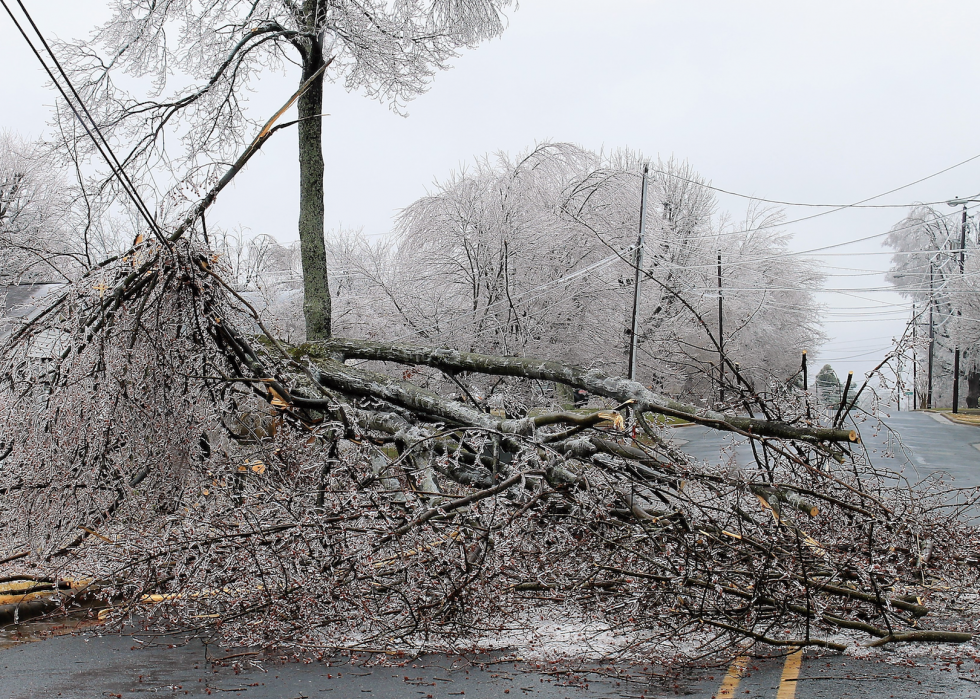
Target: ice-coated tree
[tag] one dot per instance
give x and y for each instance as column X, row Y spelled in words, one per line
column 828, row 387
column 533, row 255
column 158, row 72
column 33, row 221
column 925, row 268
column 52, row 227
column 965, row 323
column 270, row 275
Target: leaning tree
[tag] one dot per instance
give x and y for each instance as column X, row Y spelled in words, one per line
column 168, row 458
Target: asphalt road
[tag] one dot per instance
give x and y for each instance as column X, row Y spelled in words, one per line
column 75, row 667
column 120, row 666
column 920, row 445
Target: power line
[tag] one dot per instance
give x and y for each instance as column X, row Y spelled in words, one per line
column 856, row 205
column 104, row 149
column 813, row 251
column 875, row 351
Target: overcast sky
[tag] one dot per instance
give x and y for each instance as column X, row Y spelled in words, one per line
column 829, row 102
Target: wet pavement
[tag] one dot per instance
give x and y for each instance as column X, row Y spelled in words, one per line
column 915, row 443
column 84, row 667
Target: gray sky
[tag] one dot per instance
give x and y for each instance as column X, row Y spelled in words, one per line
column 829, row 102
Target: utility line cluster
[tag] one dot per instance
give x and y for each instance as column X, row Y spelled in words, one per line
column 91, row 126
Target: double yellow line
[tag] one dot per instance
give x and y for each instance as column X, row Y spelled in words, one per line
column 733, row 677
column 787, row 683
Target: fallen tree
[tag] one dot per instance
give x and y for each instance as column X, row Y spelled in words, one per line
column 163, row 449
column 170, row 451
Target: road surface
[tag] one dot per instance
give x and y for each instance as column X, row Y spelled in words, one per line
column 120, row 666
column 917, row 444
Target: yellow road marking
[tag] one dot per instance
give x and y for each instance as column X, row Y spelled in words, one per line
column 791, row 672
column 734, row 676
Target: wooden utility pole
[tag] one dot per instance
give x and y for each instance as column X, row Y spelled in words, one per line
column 638, row 265
column 915, row 362
column 956, row 354
column 932, row 338
column 721, row 336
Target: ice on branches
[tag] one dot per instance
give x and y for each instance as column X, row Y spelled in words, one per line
column 193, row 472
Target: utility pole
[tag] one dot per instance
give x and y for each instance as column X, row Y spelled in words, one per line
column 932, row 338
column 721, row 336
column 956, row 354
column 638, row 263
column 899, row 372
column 915, row 363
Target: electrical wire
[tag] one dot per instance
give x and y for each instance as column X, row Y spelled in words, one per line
column 856, row 205
column 104, row 149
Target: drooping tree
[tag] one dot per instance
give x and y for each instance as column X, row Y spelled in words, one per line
column 533, row 254
column 162, row 72
column 925, row 269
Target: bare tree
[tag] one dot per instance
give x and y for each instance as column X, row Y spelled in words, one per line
column 196, row 62
column 270, row 276
column 34, row 242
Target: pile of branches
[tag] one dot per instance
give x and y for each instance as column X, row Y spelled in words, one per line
column 165, row 454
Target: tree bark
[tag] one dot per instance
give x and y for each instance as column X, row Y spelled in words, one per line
column 591, row 380
column 973, row 389
column 316, row 290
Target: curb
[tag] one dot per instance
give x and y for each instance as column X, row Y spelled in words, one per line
column 954, row 419
column 960, row 421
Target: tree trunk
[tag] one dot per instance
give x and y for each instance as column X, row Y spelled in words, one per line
column 973, row 389
column 316, row 290
column 591, row 380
